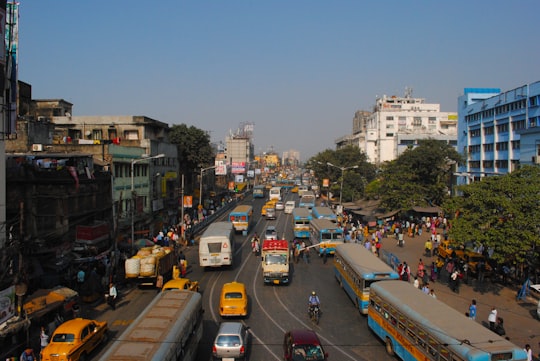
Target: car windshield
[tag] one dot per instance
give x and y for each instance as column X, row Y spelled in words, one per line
column 275, row 259
column 63, row 337
column 307, row 353
column 233, row 295
column 228, row 340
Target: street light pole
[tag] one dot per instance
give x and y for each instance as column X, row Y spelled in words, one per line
column 133, row 161
column 201, row 182
column 343, row 169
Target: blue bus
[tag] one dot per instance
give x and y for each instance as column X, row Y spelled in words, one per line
column 241, row 218
column 301, row 220
column 326, row 234
column 324, row 212
column 356, row 268
column 415, row 326
column 307, row 200
column 259, row 191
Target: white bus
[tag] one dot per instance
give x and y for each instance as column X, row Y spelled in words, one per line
column 275, row 193
column 168, row 329
column 216, row 245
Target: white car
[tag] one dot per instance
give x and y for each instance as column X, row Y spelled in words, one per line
column 289, row 207
column 270, row 233
column 279, row 206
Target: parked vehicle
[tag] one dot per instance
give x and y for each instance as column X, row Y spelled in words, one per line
column 150, row 265
column 231, row 342
column 181, row 284
column 75, row 340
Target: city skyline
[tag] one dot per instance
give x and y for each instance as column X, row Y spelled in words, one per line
column 297, row 70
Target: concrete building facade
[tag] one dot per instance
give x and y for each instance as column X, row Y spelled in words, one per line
column 498, row 131
column 398, row 123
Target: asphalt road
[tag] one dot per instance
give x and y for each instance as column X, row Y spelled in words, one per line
column 276, row 309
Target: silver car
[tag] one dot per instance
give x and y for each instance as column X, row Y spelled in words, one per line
column 231, row 342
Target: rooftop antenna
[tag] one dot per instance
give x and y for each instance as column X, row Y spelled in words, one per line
column 408, row 92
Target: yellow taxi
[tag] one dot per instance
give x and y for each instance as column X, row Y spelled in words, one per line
column 233, row 300
column 294, row 189
column 269, row 204
column 181, row 284
column 75, row 340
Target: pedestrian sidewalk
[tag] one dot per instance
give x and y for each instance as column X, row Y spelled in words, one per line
column 520, row 322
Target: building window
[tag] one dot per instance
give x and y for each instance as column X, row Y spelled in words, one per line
column 432, row 120
column 96, row 134
column 502, row 146
column 474, row 133
column 112, row 133
column 389, row 135
column 389, row 118
column 501, row 164
column 488, row 147
column 131, row 134
column 502, row 128
column 389, row 126
column 488, row 130
column 515, row 144
column 417, row 121
column 518, row 125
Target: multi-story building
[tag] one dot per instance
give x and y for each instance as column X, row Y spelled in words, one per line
column 123, row 142
column 498, row 131
column 290, row 158
column 358, row 135
column 118, row 144
column 398, row 123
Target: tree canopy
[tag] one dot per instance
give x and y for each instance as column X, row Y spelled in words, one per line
column 194, row 149
column 500, row 212
column 418, row 177
column 354, row 179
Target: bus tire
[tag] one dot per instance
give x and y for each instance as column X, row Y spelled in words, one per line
column 389, row 347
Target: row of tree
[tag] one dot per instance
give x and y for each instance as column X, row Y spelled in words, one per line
column 499, row 212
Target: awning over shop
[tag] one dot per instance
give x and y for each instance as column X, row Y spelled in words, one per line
column 429, row 210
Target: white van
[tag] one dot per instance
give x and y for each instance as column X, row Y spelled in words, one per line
column 216, row 245
column 275, row 193
column 289, row 206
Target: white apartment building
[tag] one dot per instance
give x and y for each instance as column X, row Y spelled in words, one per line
column 398, row 123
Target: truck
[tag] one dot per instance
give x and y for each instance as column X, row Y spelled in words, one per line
column 275, row 257
column 151, row 265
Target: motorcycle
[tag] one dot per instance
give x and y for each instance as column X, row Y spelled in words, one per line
column 314, row 313
column 255, row 247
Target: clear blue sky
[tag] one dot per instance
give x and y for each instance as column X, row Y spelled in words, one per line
column 298, row 70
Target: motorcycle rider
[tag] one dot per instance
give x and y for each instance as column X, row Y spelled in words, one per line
column 313, row 301
column 255, row 243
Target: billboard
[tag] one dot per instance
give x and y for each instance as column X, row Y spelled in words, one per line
column 238, row 167
column 221, row 167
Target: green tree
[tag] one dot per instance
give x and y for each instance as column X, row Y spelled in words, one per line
column 419, row 176
column 500, row 212
column 354, row 180
column 194, row 149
